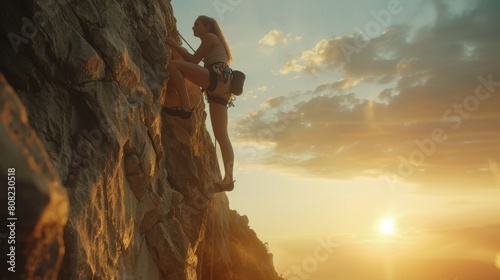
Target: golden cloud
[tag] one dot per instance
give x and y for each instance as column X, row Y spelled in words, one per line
column 436, row 118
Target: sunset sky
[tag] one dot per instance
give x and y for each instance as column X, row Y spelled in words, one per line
column 364, row 110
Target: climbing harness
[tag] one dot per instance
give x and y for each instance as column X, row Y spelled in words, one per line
column 237, row 80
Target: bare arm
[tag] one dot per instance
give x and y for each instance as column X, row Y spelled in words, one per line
column 200, row 53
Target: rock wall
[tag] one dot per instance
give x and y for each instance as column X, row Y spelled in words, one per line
column 91, row 75
column 34, row 203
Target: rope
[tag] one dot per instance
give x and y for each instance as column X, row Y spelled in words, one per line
column 200, row 100
column 200, row 265
column 233, row 98
column 209, row 205
column 213, row 227
column 186, row 41
column 213, row 247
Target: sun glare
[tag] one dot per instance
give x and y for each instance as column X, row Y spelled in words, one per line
column 497, row 261
column 387, row 227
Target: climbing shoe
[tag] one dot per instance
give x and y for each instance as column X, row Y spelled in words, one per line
column 178, row 112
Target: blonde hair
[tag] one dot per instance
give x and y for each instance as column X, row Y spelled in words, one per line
column 215, row 28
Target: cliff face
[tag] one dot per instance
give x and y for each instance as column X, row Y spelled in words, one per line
column 108, row 187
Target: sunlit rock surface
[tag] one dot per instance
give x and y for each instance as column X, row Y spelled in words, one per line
column 35, row 206
column 120, row 191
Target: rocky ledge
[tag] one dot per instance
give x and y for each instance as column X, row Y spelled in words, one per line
column 106, row 186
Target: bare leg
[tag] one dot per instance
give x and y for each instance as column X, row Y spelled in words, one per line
column 218, row 116
column 180, row 86
column 196, row 74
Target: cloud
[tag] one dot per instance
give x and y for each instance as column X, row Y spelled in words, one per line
column 275, row 37
column 340, row 85
column 254, row 93
column 452, row 35
column 274, row 102
column 352, row 55
column 433, row 118
column 291, row 66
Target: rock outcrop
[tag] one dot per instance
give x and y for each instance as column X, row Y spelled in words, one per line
column 111, row 189
column 34, row 203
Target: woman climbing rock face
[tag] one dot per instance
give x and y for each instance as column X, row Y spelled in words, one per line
column 214, row 77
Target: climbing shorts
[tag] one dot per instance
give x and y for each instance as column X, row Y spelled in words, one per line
column 220, row 78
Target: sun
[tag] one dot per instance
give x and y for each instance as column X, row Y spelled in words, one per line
column 387, row 227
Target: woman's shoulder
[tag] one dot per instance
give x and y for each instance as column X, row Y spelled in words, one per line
column 211, row 38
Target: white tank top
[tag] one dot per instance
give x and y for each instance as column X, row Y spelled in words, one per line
column 215, row 54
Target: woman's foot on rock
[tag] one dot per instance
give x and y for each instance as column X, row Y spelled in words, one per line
column 224, row 186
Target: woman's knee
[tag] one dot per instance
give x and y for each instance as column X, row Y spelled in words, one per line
column 182, row 66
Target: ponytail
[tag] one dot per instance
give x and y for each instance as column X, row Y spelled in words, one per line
column 215, row 28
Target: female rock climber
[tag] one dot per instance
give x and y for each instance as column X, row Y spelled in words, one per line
column 213, row 77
